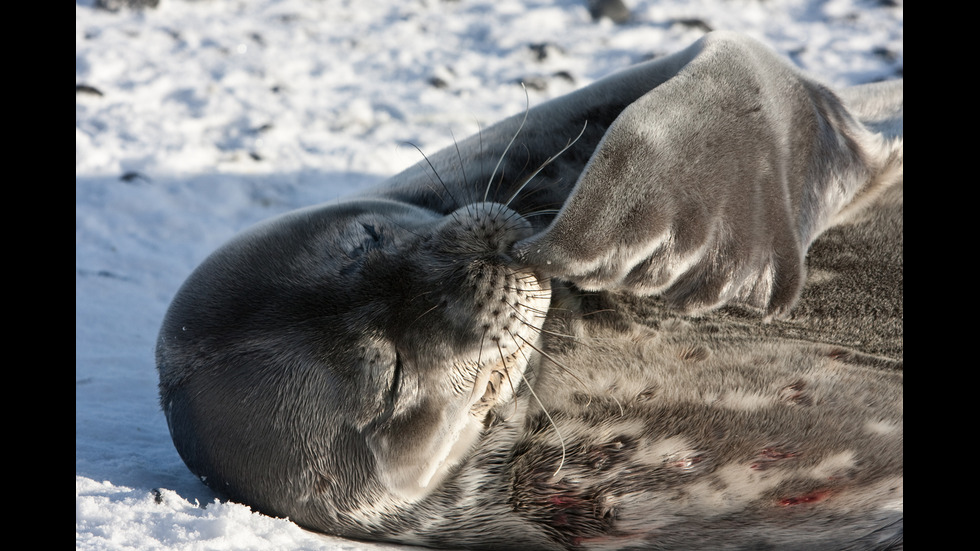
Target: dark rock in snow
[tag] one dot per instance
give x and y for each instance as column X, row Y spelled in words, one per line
column 694, row 23
column 87, row 89
column 116, row 5
column 613, row 9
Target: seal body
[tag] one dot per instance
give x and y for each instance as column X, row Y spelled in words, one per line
column 505, row 348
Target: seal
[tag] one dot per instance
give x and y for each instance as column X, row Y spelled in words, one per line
column 589, row 327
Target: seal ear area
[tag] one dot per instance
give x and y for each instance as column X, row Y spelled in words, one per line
column 306, row 262
column 280, row 277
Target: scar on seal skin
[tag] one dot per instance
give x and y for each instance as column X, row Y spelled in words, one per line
column 588, row 327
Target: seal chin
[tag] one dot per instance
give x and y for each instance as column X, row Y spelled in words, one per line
column 495, row 385
column 480, row 387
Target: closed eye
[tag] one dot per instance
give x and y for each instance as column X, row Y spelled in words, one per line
column 396, row 379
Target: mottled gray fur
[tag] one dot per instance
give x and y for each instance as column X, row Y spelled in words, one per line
column 623, row 352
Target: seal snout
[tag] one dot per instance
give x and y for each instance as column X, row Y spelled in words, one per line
column 485, row 228
column 496, row 303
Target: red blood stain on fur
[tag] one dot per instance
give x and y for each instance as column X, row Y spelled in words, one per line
column 565, row 501
column 687, row 462
column 812, row 497
column 794, row 394
column 770, row 457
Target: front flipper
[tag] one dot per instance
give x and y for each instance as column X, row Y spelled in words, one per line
column 710, row 188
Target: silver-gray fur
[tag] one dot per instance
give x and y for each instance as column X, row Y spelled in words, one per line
column 623, row 351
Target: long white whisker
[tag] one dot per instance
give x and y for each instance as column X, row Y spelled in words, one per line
column 561, row 439
column 436, row 173
column 565, row 369
column 527, row 109
column 462, row 168
column 546, row 163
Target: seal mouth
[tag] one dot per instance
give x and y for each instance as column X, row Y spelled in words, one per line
column 496, row 381
column 489, row 397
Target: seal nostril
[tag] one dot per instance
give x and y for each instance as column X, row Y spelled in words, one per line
column 518, row 252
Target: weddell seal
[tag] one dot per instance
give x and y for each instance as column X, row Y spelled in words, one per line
column 588, row 327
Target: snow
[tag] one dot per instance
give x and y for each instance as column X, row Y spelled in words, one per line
column 199, row 118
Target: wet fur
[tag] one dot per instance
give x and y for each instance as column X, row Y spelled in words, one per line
column 330, row 365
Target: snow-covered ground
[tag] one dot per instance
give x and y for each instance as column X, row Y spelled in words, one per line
column 198, row 118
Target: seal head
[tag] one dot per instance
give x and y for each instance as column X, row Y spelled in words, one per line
column 307, row 347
